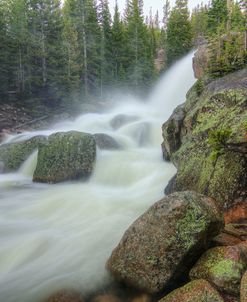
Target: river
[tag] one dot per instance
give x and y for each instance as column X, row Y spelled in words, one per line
column 59, row 236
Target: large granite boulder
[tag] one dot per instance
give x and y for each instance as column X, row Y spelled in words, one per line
column 195, row 291
column 160, row 246
column 12, row 155
column 65, row 156
column 208, row 143
column 223, row 267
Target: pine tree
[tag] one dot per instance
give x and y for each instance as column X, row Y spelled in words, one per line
column 166, row 14
column 4, row 49
column 199, row 22
column 179, row 33
column 72, row 52
column 119, row 44
column 217, row 16
column 46, row 49
column 106, row 72
column 83, row 16
column 140, row 56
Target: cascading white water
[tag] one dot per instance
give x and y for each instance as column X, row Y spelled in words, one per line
column 54, row 237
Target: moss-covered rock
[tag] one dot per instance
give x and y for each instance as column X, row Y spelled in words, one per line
column 195, row 291
column 212, row 155
column 223, row 267
column 12, row 155
column 160, row 246
column 65, row 156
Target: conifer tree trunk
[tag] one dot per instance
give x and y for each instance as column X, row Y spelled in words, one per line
column 229, row 9
column 84, row 37
column 44, row 67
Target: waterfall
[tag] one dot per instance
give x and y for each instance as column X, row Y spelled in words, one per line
column 59, row 236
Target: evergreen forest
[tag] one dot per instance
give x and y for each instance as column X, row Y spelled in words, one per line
column 65, row 53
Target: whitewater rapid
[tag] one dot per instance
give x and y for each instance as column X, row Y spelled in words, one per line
column 55, row 237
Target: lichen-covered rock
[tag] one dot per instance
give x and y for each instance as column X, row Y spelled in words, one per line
column 243, row 288
column 12, row 155
column 105, row 141
column 195, row 291
column 66, row 296
column 223, row 267
column 65, row 156
column 160, row 245
column 211, row 143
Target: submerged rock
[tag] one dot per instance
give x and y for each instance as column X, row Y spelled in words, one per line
column 223, row 267
column 195, row 291
column 121, row 120
column 208, row 144
column 105, row 141
column 1, row 166
column 159, row 246
column 12, row 155
column 65, row 156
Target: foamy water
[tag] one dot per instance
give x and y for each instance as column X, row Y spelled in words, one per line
column 59, row 236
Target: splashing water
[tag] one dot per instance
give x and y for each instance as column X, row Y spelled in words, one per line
column 59, row 236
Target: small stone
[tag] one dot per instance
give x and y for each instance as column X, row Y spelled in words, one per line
column 106, row 298
column 66, row 296
column 224, row 239
column 142, row 298
column 195, row 291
